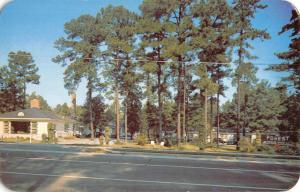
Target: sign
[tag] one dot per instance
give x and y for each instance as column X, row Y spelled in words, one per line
column 275, row 139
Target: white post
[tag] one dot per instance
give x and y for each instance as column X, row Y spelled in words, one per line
column 30, row 130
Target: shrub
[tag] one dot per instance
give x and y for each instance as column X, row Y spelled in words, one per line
column 107, row 134
column 286, row 149
column 265, row 148
column 45, row 138
column 118, row 142
column 245, row 145
column 168, row 142
column 101, row 140
column 141, row 139
column 201, row 146
column 199, row 142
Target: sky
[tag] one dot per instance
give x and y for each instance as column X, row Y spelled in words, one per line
column 34, row 26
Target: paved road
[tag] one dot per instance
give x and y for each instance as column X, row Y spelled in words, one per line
column 64, row 168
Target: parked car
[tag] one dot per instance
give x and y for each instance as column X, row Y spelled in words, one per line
column 77, row 134
column 231, row 142
column 220, row 140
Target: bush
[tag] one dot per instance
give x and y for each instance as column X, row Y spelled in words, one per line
column 245, row 145
column 45, row 138
column 168, row 142
column 101, row 140
column 265, row 148
column 201, row 146
column 118, row 142
column 199, row 142
column 289, row 150
column 107, row 134
column 141, row 139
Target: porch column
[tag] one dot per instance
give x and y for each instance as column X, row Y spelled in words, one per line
column 9, row 127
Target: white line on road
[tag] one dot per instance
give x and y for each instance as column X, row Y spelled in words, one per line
column 156, row 165
column 296, row 162
column 145, row 181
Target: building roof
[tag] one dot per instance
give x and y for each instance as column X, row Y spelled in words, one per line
column 32, row 113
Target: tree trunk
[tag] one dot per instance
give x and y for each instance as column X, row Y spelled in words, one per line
column 245, row 112
column 211, row 118
column 178, row 124
column 126, row 116
column 117, row 111
column 183, row 116
column 90, row 109
column 205, row 116
column 159, row 99
column 24, row 95
column 238, row 113
column 179, row 102
column 184, row 103
column 218, row 115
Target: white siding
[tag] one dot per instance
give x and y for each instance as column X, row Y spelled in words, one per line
column 42, row 128
column 60, row 130
column 1, row 127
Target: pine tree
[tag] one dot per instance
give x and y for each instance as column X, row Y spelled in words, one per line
column 212, row 39
column 153, row 31
column 244, row 12
column 22, row 67
column 207, row 87
column 120, row 25
column 11, row 97
column 79, row 55
column 292, row 56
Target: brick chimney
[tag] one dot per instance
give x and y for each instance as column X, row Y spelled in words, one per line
column 35, row 103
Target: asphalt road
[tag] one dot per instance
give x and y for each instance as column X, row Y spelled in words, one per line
column 66, row 168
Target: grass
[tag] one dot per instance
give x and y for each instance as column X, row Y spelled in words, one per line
column 136, row 146
column 93, row 150
column 221, row 148
column 18, row 140
column 181, row 147
column 69, row 137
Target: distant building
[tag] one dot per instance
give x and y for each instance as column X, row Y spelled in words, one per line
column 33, row 123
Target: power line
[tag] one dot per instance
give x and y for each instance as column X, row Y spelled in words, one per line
column 161, row 61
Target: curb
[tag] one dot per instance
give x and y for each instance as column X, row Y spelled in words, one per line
column 227, row 154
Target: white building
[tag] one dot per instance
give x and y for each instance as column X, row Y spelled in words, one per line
column 32, row 123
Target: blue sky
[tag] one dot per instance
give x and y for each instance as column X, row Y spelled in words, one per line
column 34, row 25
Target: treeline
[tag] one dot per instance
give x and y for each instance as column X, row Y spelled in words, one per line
column 167, row 65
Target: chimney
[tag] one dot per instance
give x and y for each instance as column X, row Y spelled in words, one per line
column 35, row 103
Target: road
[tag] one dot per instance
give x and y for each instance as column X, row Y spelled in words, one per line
column 27, row 167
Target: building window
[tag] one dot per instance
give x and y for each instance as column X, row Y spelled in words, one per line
column 66, row 127
column 6, row 126
column 34, row 127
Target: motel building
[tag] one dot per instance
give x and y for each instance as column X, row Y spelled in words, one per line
column 33, row 123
